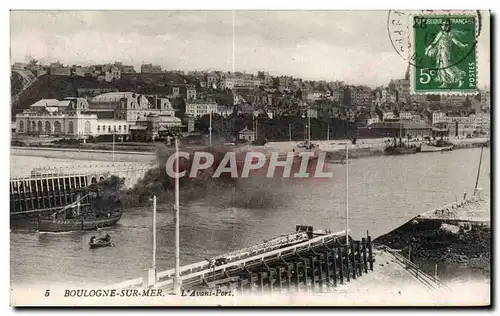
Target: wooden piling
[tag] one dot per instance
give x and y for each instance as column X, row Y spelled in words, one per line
column 240, row 286
column 304, row 279
column 334, row 267
column 261, row 282
column 278, row 274
column 289, row 277
column 358, row 258
column 321, row 282
column 313, row 275
column 250, row 281
column 327, row 267
column 348, row 264
column 341, row 265
column 365, row 263
column 297, row 276
column 353, row 261
column 370, row 252
column 270, row 281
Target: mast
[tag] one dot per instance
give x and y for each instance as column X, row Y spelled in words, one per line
column 346, row 194
column 177, row 259
column 209, row 130
column 154, row 234
column 309, row 127
column 479, row 169
column 256, row 128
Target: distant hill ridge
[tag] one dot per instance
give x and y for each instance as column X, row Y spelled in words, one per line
column 58, row 87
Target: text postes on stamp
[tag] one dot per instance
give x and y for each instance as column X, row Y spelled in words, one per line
column 444, row 48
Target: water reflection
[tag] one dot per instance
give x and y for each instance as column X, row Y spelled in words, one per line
column 385, row 192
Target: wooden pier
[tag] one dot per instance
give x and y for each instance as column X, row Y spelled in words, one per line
column 44, row 193
column 320, row 262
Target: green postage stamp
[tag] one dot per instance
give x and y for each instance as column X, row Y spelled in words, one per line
column 444, row 53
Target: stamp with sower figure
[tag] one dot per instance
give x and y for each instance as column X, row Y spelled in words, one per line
column 440, row 48
column 445, row 49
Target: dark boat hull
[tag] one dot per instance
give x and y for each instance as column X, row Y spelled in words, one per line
column 100, row 244
column 401, row 150
column 67, row 225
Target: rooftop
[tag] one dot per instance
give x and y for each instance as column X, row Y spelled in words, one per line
column 405, row 125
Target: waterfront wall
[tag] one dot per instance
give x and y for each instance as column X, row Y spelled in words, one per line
column 363, row 148
column 85, row 154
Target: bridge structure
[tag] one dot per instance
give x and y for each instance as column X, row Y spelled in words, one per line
column 50, row 188
column 314, row 261
column 132, row 172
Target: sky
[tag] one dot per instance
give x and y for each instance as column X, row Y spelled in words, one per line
column 350, row 46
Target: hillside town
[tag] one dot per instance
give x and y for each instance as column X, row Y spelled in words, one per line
column 98, row 101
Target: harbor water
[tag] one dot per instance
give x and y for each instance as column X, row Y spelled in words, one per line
column 384, row 193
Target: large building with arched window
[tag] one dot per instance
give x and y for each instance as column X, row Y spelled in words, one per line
column 68, row 117
column 106, row 114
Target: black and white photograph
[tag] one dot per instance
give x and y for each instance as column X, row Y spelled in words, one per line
column 250, row 158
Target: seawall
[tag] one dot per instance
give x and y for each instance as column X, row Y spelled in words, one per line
column 363, row 148
column 85, row 154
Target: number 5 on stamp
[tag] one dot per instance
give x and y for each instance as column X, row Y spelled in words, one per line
column 445, row 47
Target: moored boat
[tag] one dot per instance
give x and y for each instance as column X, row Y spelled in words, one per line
column 401, row 148
column 438, row 145
column 67, row 225
column 428, row 148
column 100, row 213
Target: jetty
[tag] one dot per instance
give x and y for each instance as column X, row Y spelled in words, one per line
column 312, row 261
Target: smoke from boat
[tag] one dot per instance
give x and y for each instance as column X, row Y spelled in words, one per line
column 223, row 191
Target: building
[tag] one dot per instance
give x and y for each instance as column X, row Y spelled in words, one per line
column 190, row 92
column 312, row 96
column 361, row 96
column 485, row 100
column 198, row 108
column 265, row 78
column 312, row 113
column 419, row 98
column 389, row 115
column 338, row 94
column 68, row 117
column 246, row 134
column 127, row 69
column 112, row 73
column 372, row 120
column 92, row 92
column 60, row 71
column 224, row 111
column 19, row 66
column 453, row 100
column 463, row 125
column 402, row 86
column 285, row 82
column 150, row 69
column 398, row 129
column 106, row 114
column 227, row 83
column 83, row 71
column 212, row 79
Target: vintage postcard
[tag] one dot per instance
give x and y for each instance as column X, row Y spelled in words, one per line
column 250, row 158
